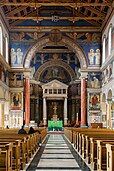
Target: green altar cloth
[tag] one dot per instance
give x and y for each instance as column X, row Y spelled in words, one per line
column 55, row 125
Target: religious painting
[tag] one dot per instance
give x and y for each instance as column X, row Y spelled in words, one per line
column 55, row 72
column 94, row 101
column 22, row 36
column 94, row 80
column 18, row 51
column 16, row 79
column 16, row 101
column 94, row 57
column 69, row 58
column 16, row 57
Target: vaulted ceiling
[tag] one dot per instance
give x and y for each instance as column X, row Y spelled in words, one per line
column 77, row 14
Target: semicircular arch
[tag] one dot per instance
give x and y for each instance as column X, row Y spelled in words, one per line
column 53, row 63
column 66, row 41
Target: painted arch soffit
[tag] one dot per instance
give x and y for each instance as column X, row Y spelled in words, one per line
column 54, row 63
column 68, row 42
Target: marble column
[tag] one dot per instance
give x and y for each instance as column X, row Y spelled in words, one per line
column 109, row 113
column 83, row 102
column 44, row 112
column 37, row 111
column 27, row 101
column 65, row 112
column 73, row 109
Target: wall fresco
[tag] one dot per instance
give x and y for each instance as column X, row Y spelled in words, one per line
column 94, row 80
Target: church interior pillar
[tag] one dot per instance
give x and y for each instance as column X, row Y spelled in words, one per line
column 1, row 115
column 109, row 113
column 73, row 109
column 44, row 112
column 37, row 110
column 27, row 101
column 65, row 112
column 83, row 102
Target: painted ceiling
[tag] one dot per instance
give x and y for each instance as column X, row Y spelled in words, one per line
column 79, row 13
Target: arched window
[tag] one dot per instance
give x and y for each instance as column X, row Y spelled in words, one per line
column 109, row 39
column 1, row 41
column 6, row 48
column 106, row 48
column 112, row 39
column 103, row 49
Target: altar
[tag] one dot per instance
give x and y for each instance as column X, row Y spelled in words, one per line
column 55, row 125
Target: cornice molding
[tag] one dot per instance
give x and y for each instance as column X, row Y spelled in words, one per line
column 49, row 28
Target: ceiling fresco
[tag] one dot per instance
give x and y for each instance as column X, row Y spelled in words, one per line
column 77, row 13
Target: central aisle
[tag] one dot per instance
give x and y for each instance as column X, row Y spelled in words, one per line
column 56, row 153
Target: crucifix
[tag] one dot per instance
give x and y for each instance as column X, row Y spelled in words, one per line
column 55, row 108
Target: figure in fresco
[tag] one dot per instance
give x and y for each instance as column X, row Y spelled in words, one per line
column 55, row 56
column 13, row 56
column 42, row 58
column 77, row 71
column 94, row 100
column 68, row 58
column 94, row 57
column 16, row 100
column 55, row 72
column 91, row 55
column 32, row 72
column 19, row 56
column 97, row 57
column 95, row 83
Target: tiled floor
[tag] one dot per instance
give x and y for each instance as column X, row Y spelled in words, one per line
column 57, row 154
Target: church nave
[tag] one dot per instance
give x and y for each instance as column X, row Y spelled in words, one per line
column 56, row 153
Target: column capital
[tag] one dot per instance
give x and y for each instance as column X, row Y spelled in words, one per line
column 84, row 75
column 27, row 74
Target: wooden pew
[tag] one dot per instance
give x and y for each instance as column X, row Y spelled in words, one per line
column 84, row 147
column 110, row 157
column 28, row 145
column 6, row 157
column 15, row 152
column 102, row 154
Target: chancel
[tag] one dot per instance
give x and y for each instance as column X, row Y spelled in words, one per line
column 56, row 79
